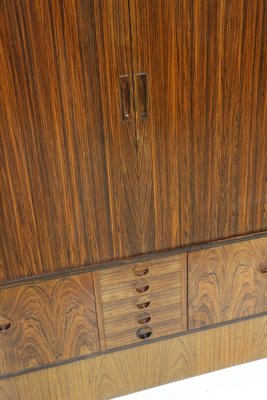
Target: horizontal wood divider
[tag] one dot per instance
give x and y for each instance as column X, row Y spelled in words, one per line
column 135, row 259
column 115, row 374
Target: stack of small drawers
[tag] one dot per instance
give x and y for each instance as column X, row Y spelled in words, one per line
column 142, row 301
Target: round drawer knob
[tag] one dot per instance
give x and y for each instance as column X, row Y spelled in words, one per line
column 141, row 286
column 5, row 324
column 142, row 302
column 144, row 317
column 144, row 333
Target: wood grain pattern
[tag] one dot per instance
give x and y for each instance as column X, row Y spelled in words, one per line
column 115, row 374
column 69, row 191
column 99, row 312
column 226, row 283
column 125, row 330
column 50, row 321
column 202, row 149
column 80, row 186
column 165, row 294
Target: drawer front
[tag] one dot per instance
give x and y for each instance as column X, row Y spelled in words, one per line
column 227, row 282
column 46, row 322
column 142, row 301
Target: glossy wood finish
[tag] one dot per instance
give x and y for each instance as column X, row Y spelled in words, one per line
column 69, row 187
column 202, row 149
column 130, row 370
column 129, row 127
column 227, row 282
column 50, row 321
column 79, row 185
column 150, row 295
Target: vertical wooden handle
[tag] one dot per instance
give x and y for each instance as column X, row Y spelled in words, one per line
column 142, row 100
column 126, row 106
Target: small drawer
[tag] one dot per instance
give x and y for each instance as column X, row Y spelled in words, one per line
column 144, row 269
column 139, row 334
column 46, row 322
column 151, row 314
column 140, row 286
column 132, row 304
column 227, row 282
column 142, row 301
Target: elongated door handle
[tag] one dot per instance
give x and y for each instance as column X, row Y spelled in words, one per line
column 126, row 103
column 142, row 98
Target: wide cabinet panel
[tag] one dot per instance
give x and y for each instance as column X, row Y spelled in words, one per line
column 128, row 128
column 227, row 282
column 202, row 125
column 69, row 186
column 47, row 322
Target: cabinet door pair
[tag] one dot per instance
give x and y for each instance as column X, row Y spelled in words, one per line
column 129, row 127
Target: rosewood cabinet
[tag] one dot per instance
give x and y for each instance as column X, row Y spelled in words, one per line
column 133, row 208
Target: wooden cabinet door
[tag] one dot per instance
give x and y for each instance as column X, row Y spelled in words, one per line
column 69, row 181
column 202, row 142
column 227, row 282
column 47, row 322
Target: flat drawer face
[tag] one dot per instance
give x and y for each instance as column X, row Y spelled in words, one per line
column 142, row 301
column 227, row 282
column 45, row 322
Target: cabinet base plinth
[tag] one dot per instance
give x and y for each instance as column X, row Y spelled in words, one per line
column 114, row 374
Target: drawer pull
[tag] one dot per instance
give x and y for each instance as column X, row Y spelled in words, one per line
column 141, row 286
column 142, row 289
column 144, row 318
column 142, row 302
column 144, row 333
column 139, row 271
column 263, row 268
column 4, row 325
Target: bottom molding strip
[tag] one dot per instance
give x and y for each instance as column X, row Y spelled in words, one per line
column 125, row 371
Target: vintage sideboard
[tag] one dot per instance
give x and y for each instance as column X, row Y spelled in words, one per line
column 133, row 208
